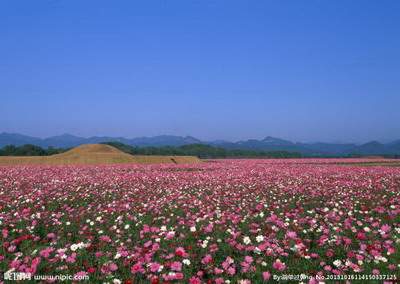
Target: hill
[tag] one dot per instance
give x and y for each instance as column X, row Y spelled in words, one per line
column 95, row 154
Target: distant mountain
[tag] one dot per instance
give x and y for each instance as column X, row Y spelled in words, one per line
column 326, row 148
column 373, row 148
column 395, row 145
column 276, row 141
column 164, row 140
column 62, row 141
column 267, row 144
column 67, row 140
column 18, row 139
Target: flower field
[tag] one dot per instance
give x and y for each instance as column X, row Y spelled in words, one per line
column 231, row 221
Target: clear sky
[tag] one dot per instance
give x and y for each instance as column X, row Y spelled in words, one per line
column 301, row 70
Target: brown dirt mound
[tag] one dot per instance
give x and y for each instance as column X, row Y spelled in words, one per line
column 96, row 154
column 92, row 148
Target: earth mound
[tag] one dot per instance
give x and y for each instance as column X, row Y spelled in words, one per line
column 92, row 154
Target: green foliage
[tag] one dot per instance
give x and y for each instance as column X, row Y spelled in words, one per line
column 29, row 150
column 201, row 151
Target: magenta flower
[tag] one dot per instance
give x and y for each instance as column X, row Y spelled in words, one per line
column 137, row 268
column 154, row 267
column 266, row 275
column 291, row 235
column 194, row 280
column 176, row 266
column 207, row 259
column 279, row 265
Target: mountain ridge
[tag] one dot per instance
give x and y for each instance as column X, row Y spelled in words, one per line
column 268, row 143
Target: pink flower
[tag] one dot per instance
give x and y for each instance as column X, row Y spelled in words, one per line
column 15, row 263
column 176, row 266
column 227, row 262
column 71, row 258
column 194, row 280
column 154, row 267
column 207, row 259
column 106, row 239
column 11, row 248
column 173, row 276
column 112, row 266
column 4, row 233
column 231, row 270
column 170, row 235
column 266, row 275
column 180, row 251
column 248, row 259
column 291, row 235
column 361, row 236
column 46, row 252
column 51, row 235
column 278, row 265
column 385, row 228
column 137, row 268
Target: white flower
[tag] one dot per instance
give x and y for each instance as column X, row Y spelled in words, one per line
column 74, row 247
column 259, row 238
column 163, row 228
column 80, row 245
column 118, row 255
column 204, row 244
column 186, row 261
column 117, row 281
column 337, row 263
column 68, row 223
column 246, row 240
column 126, row 227
column 193, row 229
column 366, row 229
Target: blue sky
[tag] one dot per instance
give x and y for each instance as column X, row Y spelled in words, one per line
column 300, row 70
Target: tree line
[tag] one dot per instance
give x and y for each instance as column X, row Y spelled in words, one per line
column 29, row 150
column 199, row 150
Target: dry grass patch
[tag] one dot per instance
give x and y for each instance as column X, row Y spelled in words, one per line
column 95, row 154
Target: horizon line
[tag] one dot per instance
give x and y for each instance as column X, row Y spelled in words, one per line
column 203, row 140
